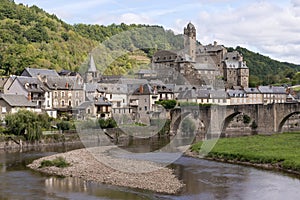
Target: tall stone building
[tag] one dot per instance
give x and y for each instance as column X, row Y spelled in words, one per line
column 202, row 64
column 190, row 40
column 236, row 72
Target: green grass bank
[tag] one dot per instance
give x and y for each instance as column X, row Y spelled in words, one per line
column 278, row 151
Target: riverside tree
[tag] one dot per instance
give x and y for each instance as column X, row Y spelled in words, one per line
column 27, row 124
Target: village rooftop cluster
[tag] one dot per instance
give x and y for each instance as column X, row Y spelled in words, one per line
column 198, row 74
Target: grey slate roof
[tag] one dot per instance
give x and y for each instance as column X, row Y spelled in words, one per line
column 192, row 94
column 17, row 100
column 187, row 94
column 279, row 90
column 132, row 81
column 251, row 90
column 184, row 58
column 163, row 53
column 33, row 72
column 84, row 105
column 64, row 83
column 31, row 84
column 236, row 93
column 271, row 90
column 114, row 88
column 92, row 87
column 146, row 90
column 102, row 101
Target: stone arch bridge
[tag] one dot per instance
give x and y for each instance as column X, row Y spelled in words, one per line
column 269, row 118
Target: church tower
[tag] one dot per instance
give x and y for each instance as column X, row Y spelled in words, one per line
column 92, row 74
column 190, row 40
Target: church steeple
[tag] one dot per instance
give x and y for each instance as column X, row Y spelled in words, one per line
column 92, row 74
column 190, row 40
column 92, row 66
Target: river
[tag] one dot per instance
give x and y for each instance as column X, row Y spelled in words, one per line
column 204, row 180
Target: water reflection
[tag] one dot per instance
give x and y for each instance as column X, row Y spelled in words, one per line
column 213, row 180
column 76, row 188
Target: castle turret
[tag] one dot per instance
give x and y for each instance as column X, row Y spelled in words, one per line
column 190, row 40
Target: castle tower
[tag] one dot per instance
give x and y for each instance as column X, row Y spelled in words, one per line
column 190, row 40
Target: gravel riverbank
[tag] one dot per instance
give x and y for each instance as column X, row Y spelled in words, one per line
column 84, row 165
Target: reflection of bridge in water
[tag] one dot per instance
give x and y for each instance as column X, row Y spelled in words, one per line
column 214, row 119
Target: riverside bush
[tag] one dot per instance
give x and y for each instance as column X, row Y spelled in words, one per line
column 57, row 162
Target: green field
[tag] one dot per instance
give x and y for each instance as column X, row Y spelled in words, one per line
column 280, row 150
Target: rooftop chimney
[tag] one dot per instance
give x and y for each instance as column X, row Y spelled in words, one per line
column 29, row 96
column 141, row 89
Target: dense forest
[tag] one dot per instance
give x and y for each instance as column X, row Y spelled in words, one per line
column 30, row 37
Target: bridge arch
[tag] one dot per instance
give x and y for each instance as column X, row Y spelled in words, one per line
column 284, row 119
column 229, row 119
column 176, row 122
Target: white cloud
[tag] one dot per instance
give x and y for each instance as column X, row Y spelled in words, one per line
column 131, row 18
column 265, row 27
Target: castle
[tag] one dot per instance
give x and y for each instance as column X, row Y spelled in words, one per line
column 203, row 64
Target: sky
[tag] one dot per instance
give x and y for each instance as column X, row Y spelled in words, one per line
column 269, row 27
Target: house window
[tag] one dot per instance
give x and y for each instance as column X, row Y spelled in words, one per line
column 62, row 103
column 55, row 102
column 146, row 108
column 110, row 96
column 3, row 109
column 70, row 103
column 77, row 102
column 89, row 111
column 62, row 94
column 55, row 94
column 48, row 103
column 77, row 94
column 145, row 100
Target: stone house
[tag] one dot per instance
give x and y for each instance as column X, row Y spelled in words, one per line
column 273, row 94
column 253, row 96
column 12, row 103
column 100, row 107
column 117, row 94
column 67, row 92
column 143, row 101
column 236, row 72
column 237, row 97
column 33, row 89
column 203, row 96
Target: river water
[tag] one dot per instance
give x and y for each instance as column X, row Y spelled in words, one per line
column 204, row 180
